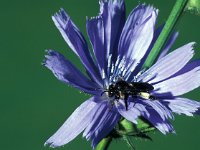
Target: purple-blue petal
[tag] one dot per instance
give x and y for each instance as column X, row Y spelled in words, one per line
column 164, row 51
column 163, row 125
column 134, row 111
column 163, row 111
column 95, row 30
column 68, row 73
column 188, row 67
column 180, row 105
column 104, row 31
column 180, row 84
column 75, row 124
column 140, row 65
column 113, row 13
column 137, row 34
column 76, row 42
column 102, row 123
column 168, row 65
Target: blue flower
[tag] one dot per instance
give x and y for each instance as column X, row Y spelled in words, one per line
column 120, row 49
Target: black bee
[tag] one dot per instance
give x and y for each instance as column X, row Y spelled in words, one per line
column 122, row 90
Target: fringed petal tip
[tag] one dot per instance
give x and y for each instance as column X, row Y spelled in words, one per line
column 148, row 12
column 48, row 57
column 192, row 45
column 61, row 18
column 197, row 112
column 50, row 144
column 94, row 18
column 184, row 106
column 116, row 3
column 149, row 8
column 44, row 61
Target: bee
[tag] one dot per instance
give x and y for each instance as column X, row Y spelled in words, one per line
column 122, row 90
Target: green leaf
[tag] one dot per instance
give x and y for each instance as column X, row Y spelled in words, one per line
column 128, row 142
column 129, row 129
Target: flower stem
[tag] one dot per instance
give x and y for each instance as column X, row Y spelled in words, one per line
column 104, row 143
column 173, row 18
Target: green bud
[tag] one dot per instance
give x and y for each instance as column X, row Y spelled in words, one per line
column 193, row 6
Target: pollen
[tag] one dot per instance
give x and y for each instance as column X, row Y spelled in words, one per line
column 145, row 95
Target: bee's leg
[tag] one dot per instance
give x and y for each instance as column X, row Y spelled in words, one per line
column 151, row 97
column 111, row 104
column 134, row 95
column 126, row 101
column 117, row 97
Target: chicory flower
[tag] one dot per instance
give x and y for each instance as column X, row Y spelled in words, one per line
column 120, row 48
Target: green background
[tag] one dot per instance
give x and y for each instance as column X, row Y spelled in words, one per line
column 34, row 104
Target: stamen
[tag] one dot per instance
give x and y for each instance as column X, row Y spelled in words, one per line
column 112, row 69
column 109, row 64
column 103, row 74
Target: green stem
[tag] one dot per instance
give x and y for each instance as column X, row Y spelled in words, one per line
column 174, row 16
column 127, row 125
column 104, row 144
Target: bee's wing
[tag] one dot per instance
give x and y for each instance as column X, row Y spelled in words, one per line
column 142, row 86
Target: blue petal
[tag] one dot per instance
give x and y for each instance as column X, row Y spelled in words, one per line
column 182, row 105
column 75, row 124
column 168, row 44
column 140, row 65
column 68, row 73
column 188, row 67
column 137, row 34
column 179, row 84
column 164, row 51
column 163, row 125
column 113, row 13
column 105, row 29
column 102, row 124
column 76, row 42
column 168, row 65
column 163, row 111
column 95, row 30
column 134, row 111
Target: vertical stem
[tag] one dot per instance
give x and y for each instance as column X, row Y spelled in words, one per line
column 169, row 25
column 104, row 143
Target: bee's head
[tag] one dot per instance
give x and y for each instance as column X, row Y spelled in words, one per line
column 111, row 90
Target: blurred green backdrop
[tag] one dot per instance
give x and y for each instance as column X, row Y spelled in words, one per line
column 34, row 104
